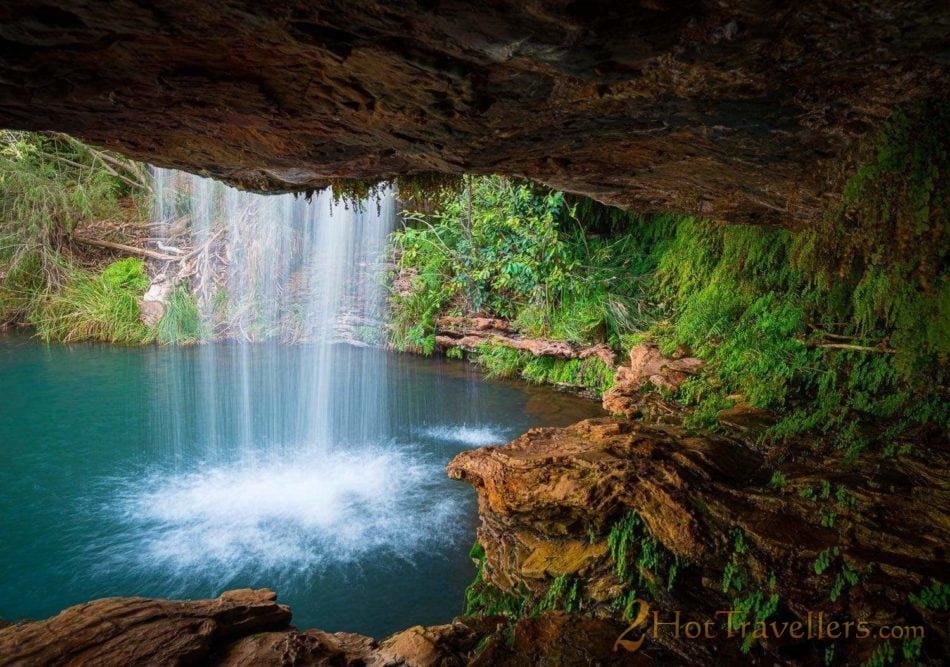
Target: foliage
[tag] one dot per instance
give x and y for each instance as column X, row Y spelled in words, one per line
column 504, row 249
column 181, row 322
column 100, row 308
column 590, row 374
column 561, row 594
column 840, row 328
column 784, row 340
column 638, row 556
column 935, row 597
column 128, row 273
column 48, row 185
column 482, row 598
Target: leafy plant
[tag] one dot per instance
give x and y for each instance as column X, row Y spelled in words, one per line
column 48, row 185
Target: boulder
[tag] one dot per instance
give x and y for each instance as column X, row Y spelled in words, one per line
column 647, row 366
column 138, row 631
column 550, row 500
column 151, row 312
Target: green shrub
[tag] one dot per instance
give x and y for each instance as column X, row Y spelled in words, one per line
column 48, row 185
column 181, row 322
column 97, row 308
column 126, row 273
column 508, row 250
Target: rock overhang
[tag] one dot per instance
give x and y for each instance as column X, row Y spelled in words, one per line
column 738, row 111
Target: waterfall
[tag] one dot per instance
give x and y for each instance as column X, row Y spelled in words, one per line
column 275, row 426
column 268, row 270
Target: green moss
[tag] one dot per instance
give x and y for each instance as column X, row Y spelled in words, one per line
column 638, row 556
column 562, row 593
column 935, row 597
column 882, row 656
column 482, row 598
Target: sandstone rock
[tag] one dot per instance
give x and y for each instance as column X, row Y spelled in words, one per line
column 745, row 418
column 470, row 333
column 555, row 638
column 313, row 647
column 736, row 111
column 694, row 494
column 151, row 312
column 435, row 646
column 127, row 631
column 558, row 558
column 647, row 366
column 241, row 628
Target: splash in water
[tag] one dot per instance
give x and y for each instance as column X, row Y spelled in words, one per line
column 281, row 517
column 470, row 436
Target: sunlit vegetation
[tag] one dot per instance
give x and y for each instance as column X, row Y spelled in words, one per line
column 181, row 322
column 840, row 329
column 50, row 184
column 101, row 307
column 508, row 250
column 590, row 374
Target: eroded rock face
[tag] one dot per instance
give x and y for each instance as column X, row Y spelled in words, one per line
column 857, row 546
column 246, row 628
column 729, row 110
column 471, row 333
column 647, row 366
column 127, row 631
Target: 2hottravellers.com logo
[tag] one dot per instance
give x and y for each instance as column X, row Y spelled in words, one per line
column 730, row 624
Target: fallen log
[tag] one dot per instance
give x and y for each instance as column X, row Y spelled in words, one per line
column 471, row 333
column 132, row 250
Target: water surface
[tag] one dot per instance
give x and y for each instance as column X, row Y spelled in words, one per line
column 122, row 474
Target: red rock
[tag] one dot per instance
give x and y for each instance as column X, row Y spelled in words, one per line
column 647, row 366
column 127, row 631
column 737, row 111
column 556, row 487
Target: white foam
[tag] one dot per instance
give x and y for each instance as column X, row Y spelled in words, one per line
column 471, row 436
column 288, row 516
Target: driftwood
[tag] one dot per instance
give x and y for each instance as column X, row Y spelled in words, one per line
column 132, row 250
column 469, row 333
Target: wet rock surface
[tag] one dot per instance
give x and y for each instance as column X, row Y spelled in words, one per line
column 735, row 111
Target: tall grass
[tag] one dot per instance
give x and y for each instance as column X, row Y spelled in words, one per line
column 181, row 322
column 49, row 185
column 100, row 307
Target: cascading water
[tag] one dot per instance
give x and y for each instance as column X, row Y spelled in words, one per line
column 282, row 269
column 298, row 469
